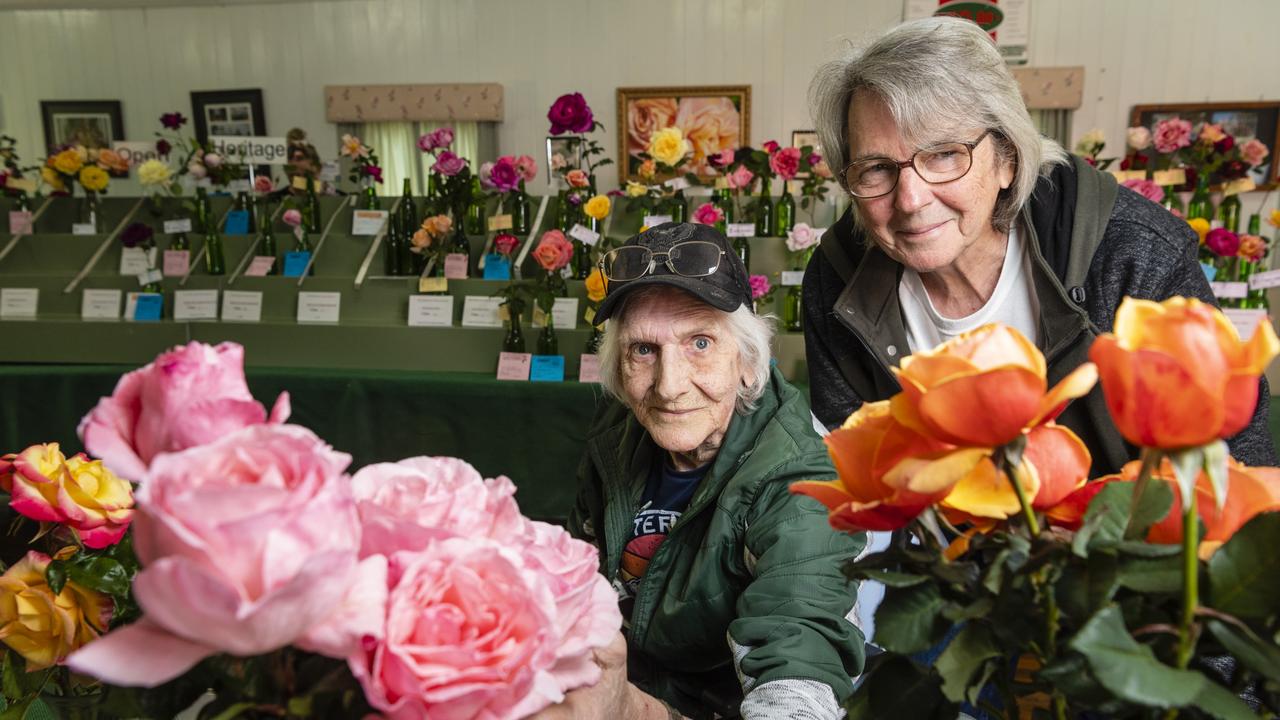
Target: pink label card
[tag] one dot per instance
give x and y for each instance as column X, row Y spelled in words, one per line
column 260, row 265
column 176, row 263
column 455, row 266
column 589, row 369
column 514, row 366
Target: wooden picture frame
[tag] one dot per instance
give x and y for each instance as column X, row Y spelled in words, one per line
column 706, row 114
column 92, row 123
column 237, row 113
column 1242, row 120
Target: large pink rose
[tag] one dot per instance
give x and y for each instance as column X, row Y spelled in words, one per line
column 406, row 505
column 785, row 162
column 741, row 178
column 553, row 251
column 527, row 167
column 711, row 124
column 1172, row 134
column 247, row 544
column 449, row 164
column 644, row 118
column 186, row 397
column 1146, row 188
column 1254, row 152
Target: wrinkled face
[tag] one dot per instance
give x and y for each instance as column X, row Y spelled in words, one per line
column 925, row 227
column 680, row 371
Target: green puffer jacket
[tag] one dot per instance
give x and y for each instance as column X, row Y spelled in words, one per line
column 748, row 568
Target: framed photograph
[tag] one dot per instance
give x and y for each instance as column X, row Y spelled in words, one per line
column 563, row 151
column 713, row 118
column 92, row 123
column 228, row 112
column 1244, row 121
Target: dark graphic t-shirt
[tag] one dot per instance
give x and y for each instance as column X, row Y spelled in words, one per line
column 666, row 495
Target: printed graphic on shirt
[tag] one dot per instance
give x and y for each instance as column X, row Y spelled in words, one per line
column 650, row 529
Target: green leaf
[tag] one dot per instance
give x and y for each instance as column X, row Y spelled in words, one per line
column 14, row 666
column 17, row 710
column 1130, row 671
column 231, row 711
column 1256, row 653
column 1152, row 575
column 907, row 618
column 1087, row 586
column 964, row 656
column 1105, row 519
column 56, row 576
column 1156, row 502
column 102, row 574
column 895, row 687
column 1149, row 550
column 1244, row 574
column 888, row 578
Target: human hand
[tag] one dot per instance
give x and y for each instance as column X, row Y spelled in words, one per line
column 611, row 697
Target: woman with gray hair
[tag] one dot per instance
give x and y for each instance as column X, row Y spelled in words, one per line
column 730, row 587
column 963, row 215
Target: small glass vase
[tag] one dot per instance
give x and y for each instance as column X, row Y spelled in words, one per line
column 791, row 310
column 514, row 341
column 370, row 193
column 548, row 343
column 90, row 213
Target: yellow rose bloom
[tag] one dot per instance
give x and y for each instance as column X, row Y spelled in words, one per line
column 1201, row 226
column 154, row 172
column 596, row 286
column 598, row 207
column 93, row 178
column 1274, row 220
column 68, row 162
column 635, row 189
column 669, row 146
column 52, row 178
column 42, row 627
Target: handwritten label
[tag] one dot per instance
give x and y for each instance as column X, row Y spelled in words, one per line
column 295, row 263
column 1177, row 176
column 1263, row 280
column 742, row 230
column 368, row 222
column 1245, row 320
column 497, row 267
column 133, row 261
column 147, row 307
column 430, row 311
column 242, row 305
column 21, row 184
column 19, row 221
column 173, row 227
column 19, row 303
column 237, row 223
column 677, row 183
column 100, row 305
column 1125, row 175
column 585, row 234
column 499, row 222
column 239, row 186
column 792, row 277
column 564, row 313
column 150, row 276
column 514, row 366
column 319, row 307
column 83, row 229
column 260, row 265
column 1230, row 289
column 655, row 220
column 251, row 149
column 455, row 266
column 177, row 262
column 433, row 285
column 589, row 368
column 195, row 305
column 547, row 368
column 481, row 311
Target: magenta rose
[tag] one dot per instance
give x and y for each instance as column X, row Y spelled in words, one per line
column 505, row 243
column 442, row 138
column 759, row 286
column 173, row 120
column 373, row 171
column 503, row 176
column 785, row 162
column 1146, row 188
column 163, row 147
column 721, row 159
column 708, row 214
column 741, row 178
column 188, row 396
column 527, row 167
column 570, row 113
column 1222, row 242
column 770, row 146
column 1172, row 134
column 262, row 184
column 248, row 544
column 426, row 142
column 1254, row 152
column 292, row 217
column 449, row 164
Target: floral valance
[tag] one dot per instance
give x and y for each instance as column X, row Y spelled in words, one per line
column 375, row 103
column 1051, row 88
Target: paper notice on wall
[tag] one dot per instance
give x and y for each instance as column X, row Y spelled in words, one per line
column 1008, row 21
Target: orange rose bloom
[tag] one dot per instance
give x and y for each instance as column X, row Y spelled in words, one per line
column 111, row 160
column 982, row 388
column 1175, row 374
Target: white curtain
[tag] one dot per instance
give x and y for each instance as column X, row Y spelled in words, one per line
column 397, row 146
column 1054, row 124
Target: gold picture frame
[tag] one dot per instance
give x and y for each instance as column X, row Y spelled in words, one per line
column 705, row 113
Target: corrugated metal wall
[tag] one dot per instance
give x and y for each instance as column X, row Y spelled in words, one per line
column 1134, row 51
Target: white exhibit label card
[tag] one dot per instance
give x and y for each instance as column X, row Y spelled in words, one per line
column 564, row 313
column 431, row 311
column 368, row 222
column 1234, row 290
column 242, row 305
column 173, row 227
column 319, row 307
column 792, row 277
column 18, row 302
column 1263, row 280
column 744, row 230
column 195, row 304
column 481, row 311
column 652, row 220
column 584, row 234
column 1245, row 320
column 100, row 304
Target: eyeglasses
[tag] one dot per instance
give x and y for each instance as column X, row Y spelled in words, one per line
column 696, row 258
column 875, row 177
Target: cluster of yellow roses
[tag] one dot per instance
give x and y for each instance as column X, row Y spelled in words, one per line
column 87, row 165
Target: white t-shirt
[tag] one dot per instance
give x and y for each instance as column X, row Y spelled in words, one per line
column 1013, row 303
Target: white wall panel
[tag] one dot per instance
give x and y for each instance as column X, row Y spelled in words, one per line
column 1135, row 51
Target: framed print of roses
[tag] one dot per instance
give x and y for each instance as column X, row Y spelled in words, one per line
column 712, row 118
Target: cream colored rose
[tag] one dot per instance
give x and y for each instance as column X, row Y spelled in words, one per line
column 711, row 125
column 646, row 117
column 154, row 172
column 635, row 189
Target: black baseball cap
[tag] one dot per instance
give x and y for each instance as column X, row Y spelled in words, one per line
column 726, row 289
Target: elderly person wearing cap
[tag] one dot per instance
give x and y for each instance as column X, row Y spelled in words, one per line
column 729, row 584
column 964, row 215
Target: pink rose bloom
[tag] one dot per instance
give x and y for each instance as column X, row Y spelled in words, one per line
column 785, row 162
column 770, row 146
column 570, row 113
column 262, row 184
column 759, row 286
column 645, row 117
column 449, row 164
column 814, row 159
column 1252, row 247
column 527, row 167
column 503, row 176
column 724, row 159
column 741, row 178
column 442, row 138
column 1254, row 152
column 426, row 142
column 711, row 125
column 553, row 251
column 1139, row 138
column 577, row 178
column 1222, row 242
column 821, row 169
column 248, row 544
column 188, row 396
column 197, row 169
column 292, row 217
column 486, row 169
column 708, row 214
column 505, row 243
column 802, row 237
column 212, row 160
column 1146, row 188
column 406, row 505
column 558, row 161
column 1172, row 134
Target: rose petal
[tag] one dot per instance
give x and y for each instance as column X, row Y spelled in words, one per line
column 139, row 655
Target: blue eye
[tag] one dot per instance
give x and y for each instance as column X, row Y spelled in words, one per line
column 643, row 349
column 702, row 343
